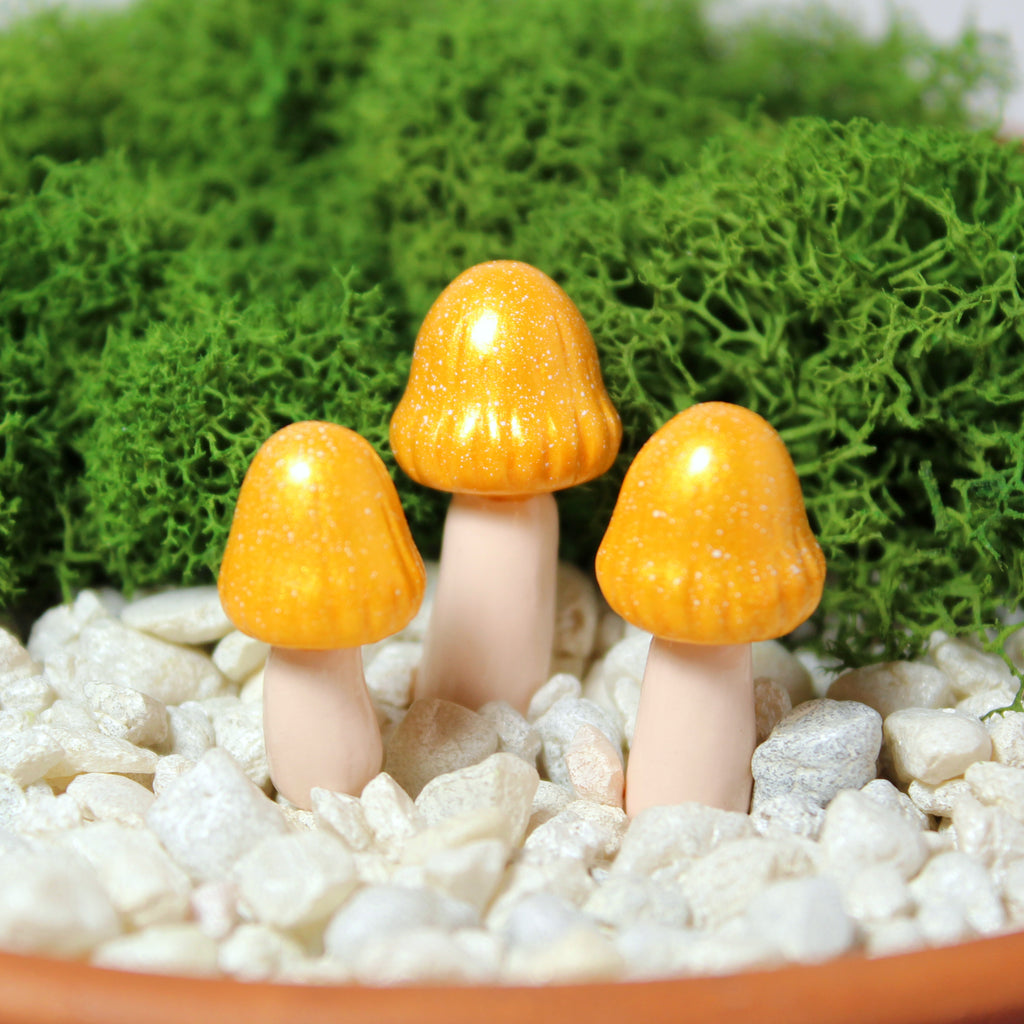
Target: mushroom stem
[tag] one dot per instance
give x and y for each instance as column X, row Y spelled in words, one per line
column 695, row 728
column 319, row 723
column 493, row 621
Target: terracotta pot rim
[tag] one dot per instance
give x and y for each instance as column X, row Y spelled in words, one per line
column 973, row 981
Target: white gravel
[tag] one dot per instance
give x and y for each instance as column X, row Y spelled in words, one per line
column 138, row 827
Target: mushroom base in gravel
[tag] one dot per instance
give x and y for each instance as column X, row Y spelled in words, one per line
column 319, row 724
column 695, row 728
column 493, row 615
column 144, row 834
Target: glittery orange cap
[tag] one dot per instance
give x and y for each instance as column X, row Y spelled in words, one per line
column 319, row 555
column 505, row 394
column 709, row 541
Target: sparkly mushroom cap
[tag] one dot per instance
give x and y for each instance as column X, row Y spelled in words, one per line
column 505, row 395
column 709, row 541
column 319, row 555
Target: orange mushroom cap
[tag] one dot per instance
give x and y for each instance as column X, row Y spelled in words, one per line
column 505, row 394
column 709, row 541
column 319, row 555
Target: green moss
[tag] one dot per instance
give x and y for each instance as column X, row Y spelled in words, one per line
column 858, row 286
column 217, row 216
column 178, row 414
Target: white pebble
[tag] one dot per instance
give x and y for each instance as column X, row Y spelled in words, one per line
column 29, row 694
column 998, row 785
column 238, row 656
column 803, row 918
column 214, row 907
column 94, row 752
column 294, row 880
column 625, row 704
column 595, row 767
column 577, row 608
column 956, row 881
column 859, row 832
column 559, row 726
column 469, row 873
column 388, row 911
column 876, row 893
column 1012, row 889
column 53, row 904
column 389, row 810
column 1007, row 733
column 583, row 831
column 344, row 814
column 190, row 731
column 60, row 626
column 894, row 685
column 113, row 652
column 991, row 835
column 435, row 737
column 624, row 899
column 189, row 615
column 104, row 797
column 28, row 756
column 127, row 714
column 882, row 791
column 238, row 729
column 818, row 749
column 548, row 800
column 969, row 670
column 771, row 704
column 211, row 816
column 567, row 879
column 257, row 952
column 389, row 677
column 723, row 882
column 788, row 813
column 938, row 800
column 503, row 781
column 934, row 745
column 45, row 813
column 582, row 954
column 772, row 660
column 15, row 661
column 142, row 881
column 168, row 769
column 559, row 686
column 428, row 954
column 163, row 949
column 515, row 734
column 669, row 838
column 980, row 704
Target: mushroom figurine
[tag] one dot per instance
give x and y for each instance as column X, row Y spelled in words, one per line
column 708, row 549
column 319, row 561
column 505, row 404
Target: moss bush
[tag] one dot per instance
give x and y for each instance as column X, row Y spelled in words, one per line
column 217, row 216
column 859, row 286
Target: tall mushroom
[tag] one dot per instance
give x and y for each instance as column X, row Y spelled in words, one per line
column 505, row 404
column 709, row 549
column 319, row 561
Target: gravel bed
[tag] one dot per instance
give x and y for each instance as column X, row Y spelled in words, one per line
column 139, row 829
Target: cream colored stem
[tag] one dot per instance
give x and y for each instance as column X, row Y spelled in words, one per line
column 695, row 729
column 493, row 620
column 318, row 722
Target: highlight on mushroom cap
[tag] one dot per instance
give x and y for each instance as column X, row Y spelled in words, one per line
column 505, row 394
column 319, row 555
column 709, row 540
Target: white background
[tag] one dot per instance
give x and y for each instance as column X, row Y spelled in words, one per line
column 943, row 19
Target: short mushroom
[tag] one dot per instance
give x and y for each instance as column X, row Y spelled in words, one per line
column 709, row 549
column 319, row 561
column 505, row 404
